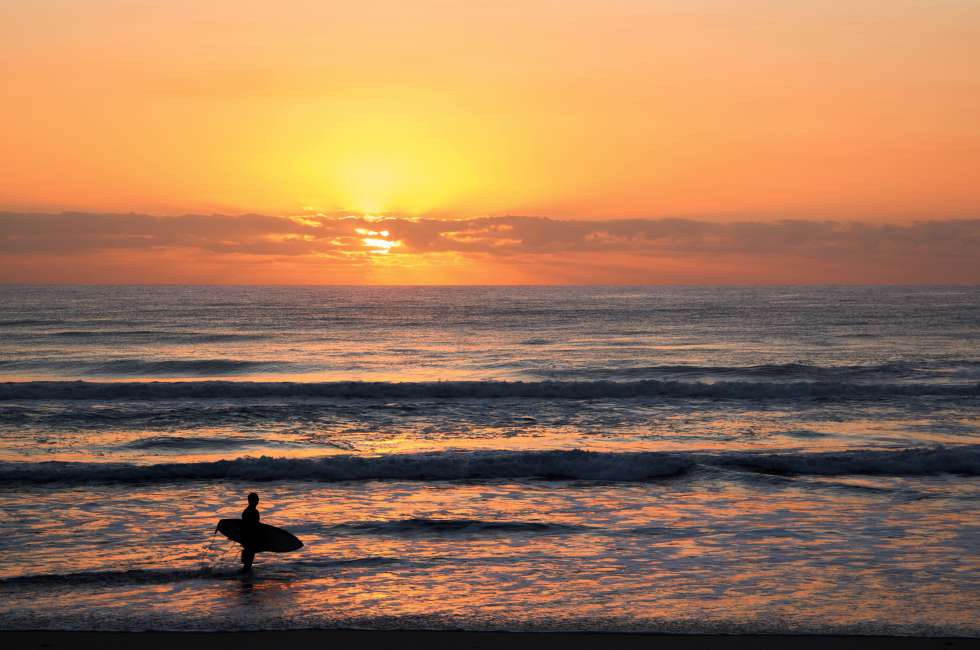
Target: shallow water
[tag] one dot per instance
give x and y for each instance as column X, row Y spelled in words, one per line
column 696, row 459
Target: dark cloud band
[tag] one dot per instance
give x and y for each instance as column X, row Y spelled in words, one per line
column 953, row 243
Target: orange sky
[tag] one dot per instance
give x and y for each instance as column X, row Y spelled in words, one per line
column 719, row 111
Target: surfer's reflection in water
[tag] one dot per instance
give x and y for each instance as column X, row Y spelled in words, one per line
column 250, row 531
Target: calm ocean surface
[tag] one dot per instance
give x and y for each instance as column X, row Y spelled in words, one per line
column 619, row 458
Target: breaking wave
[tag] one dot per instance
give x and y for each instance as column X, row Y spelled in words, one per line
column 547, row 465
column 150, row 390
column 927, row 461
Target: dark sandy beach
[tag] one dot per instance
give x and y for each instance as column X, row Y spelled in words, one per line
column 399, row 640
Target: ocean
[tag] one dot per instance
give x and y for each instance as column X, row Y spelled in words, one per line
column 678, row 459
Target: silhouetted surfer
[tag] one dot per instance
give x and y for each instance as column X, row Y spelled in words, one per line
column 250, row 530
column 256, row 537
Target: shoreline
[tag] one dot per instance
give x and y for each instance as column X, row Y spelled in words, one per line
column 439, row 640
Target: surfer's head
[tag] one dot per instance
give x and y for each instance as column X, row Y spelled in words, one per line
column 253, row 499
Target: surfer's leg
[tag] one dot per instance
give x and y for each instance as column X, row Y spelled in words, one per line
column 248, row 555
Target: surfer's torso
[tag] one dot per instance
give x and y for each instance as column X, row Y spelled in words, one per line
column 250, row 524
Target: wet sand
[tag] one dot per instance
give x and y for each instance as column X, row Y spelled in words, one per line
column 400, row 640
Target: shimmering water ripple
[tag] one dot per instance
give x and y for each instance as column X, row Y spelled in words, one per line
column 681, row 459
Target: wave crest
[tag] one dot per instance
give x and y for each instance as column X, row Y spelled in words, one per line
column 550, row 465
column 158, row 390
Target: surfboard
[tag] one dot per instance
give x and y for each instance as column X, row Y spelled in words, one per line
column 270, row 538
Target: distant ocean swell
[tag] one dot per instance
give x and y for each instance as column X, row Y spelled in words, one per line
column 144, row 368
column 134, row 336
column 68, row 390
column 552, row 464
column 945, row 371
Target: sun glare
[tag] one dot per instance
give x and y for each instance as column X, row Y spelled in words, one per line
column 367, row 159
column 376, row 241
